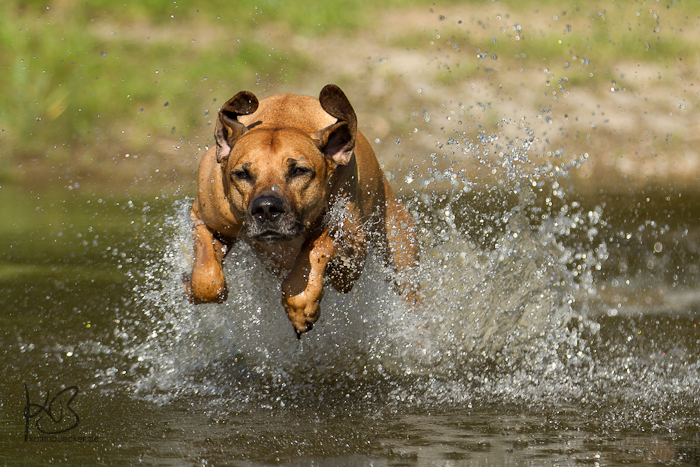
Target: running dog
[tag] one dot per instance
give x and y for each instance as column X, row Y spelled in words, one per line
column 294, row 178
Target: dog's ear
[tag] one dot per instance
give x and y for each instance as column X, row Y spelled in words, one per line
column 337, row 141
column 228, row 128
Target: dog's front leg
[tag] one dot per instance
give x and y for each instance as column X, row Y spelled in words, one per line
column 207, row 283
column 302, row 290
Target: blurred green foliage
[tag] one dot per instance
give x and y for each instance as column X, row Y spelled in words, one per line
column 95, row 73
column 592, row 38
column 83, row 79
column 80, row 78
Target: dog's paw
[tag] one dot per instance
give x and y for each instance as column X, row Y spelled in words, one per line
column 302, row 310
column 204, row 291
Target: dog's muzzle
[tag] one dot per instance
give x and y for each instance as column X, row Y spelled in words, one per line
column 270, row 219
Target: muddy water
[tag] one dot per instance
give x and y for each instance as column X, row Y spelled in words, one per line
column 559, row 328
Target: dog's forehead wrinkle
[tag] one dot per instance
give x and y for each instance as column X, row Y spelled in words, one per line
column 296, row 159
column 269, row 141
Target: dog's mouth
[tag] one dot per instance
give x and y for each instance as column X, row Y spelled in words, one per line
column 271, row 236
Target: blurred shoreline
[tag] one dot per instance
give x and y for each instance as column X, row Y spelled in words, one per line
column 606, row 93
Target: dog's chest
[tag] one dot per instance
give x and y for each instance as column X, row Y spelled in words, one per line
column 278, row 257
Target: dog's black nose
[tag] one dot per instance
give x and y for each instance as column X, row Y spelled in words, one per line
column 267, row 208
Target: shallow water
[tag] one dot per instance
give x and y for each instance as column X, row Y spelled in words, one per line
column 559, row 328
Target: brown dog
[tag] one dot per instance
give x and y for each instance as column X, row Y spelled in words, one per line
column 293, row 177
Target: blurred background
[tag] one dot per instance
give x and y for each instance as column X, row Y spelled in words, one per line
column 548, row 151
column 121, row 97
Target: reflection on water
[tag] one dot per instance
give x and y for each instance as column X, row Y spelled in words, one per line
column 558, row 327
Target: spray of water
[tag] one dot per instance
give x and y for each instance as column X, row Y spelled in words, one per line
column 504, row 281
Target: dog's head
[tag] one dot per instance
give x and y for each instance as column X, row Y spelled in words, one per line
column 277, row 178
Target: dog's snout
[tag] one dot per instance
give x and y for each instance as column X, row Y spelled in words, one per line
column 270, row 219
column 267, row 208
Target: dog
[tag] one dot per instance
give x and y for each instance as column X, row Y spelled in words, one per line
column 294, row 178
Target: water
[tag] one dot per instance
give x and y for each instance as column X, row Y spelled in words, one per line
column 559, row 328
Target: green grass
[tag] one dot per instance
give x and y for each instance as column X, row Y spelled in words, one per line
column 81, row 79
column 85, row 80
column 70, row 84
column 585, row 43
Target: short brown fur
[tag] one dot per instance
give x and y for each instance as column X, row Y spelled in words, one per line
column 279, row 167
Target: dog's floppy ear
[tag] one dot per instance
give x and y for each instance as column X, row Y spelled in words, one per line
column 228, row 128
column 337, row 141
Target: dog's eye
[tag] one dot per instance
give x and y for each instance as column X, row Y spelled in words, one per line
column 240, row 175
column 297, row 171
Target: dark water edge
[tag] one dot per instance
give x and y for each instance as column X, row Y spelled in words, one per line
column 73, row 263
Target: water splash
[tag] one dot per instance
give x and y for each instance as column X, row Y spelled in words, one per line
column 500, row 284
column 510, row 263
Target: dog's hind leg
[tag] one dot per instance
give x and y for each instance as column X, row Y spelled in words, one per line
column 403, row 248
column 350, row 243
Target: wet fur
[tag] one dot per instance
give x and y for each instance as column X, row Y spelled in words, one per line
column 278, row 168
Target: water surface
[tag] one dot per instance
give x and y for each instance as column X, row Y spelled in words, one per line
column 559, row 328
